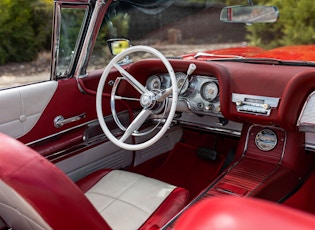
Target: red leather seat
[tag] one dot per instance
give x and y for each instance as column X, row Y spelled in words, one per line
column 235, row 213
column 35, row 194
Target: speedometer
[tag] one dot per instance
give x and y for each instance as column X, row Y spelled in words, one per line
column 209, row 91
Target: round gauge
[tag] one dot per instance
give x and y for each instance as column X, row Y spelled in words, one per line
column 153, row 82
column 182, row 82
column 266, row 140
column 209, row 90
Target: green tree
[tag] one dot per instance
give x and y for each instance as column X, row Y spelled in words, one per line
column 296, row 25
column 25, row 29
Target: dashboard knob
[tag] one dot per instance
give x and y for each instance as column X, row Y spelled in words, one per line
column 266, row 106
column 218, row 109
column 239, row 103
column 209, row 107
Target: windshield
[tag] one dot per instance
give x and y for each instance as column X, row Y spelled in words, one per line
column 192, row 28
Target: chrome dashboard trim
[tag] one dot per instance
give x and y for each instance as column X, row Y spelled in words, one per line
column 210, row 123
column 209, row 128
column 309, row 147
column 193, row 95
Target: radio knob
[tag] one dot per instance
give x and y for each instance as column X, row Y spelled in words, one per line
column 266, row 106
column 239, row 103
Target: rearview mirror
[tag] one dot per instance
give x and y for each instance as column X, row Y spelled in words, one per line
column 249, row 14
column 117, row 45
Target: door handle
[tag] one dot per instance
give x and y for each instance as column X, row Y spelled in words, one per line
column 59, row 121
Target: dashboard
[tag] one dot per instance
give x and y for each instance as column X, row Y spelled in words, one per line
column 223, row 95
column 256, row 93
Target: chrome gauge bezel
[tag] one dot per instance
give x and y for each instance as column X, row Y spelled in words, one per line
column 154, row 83
column 182, row 82
column 192, row 94
column 266, row 140
column 208, row 95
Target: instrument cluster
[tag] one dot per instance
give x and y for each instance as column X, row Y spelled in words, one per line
column 200, row 93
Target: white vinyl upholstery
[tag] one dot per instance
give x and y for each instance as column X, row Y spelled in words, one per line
column 136, row 198
column 21, row 107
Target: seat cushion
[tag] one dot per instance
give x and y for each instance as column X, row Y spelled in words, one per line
column 239, row 213
column 137, row 199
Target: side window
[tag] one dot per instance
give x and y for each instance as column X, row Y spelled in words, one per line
column 69, row 30
column 25, row 32
column 67, row 27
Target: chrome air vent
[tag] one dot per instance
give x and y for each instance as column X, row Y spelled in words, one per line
column 252, row 104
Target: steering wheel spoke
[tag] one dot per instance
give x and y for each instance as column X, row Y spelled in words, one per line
column 126, row 98
column 136, row 84
column 164, row 94
column 136, row 124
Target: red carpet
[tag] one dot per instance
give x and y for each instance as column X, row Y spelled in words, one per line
column 304, row 199
column 185, row 169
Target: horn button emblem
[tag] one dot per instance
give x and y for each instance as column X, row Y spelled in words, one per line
column 147, row 100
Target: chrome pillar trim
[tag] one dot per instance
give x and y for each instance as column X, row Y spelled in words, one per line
column 55, row 40
column 56, row 34
column 90, row 36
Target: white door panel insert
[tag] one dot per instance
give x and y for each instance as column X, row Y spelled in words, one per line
column 21, row 107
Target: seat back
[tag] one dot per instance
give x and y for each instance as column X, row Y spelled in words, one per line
column 35, row 194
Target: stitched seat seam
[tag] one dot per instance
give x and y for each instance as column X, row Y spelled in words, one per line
column 119, row 195
column 117, row 199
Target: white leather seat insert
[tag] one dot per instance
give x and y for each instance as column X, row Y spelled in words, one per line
column 135, row 198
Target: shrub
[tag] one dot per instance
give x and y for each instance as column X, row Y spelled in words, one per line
column 295, row 25
column 25, row 29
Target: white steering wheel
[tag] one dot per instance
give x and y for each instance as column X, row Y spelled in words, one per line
column 148, row 100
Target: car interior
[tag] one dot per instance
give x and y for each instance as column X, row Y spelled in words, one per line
column 160, row 142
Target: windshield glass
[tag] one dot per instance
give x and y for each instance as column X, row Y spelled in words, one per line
column 180, row 27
